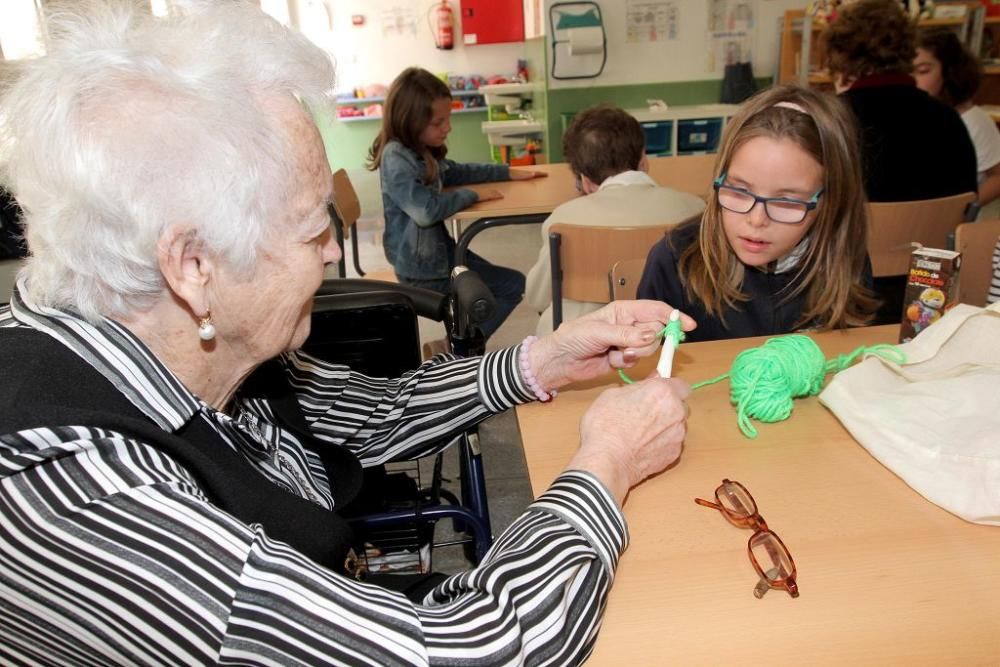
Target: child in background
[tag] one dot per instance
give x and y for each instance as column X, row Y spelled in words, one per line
column 410, row 155
column 783, row 242
column 947, row 70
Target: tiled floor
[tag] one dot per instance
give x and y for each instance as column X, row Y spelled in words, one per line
column 503, row 458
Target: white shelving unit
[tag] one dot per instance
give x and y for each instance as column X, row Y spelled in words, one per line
column 684, row 130
column 511, row 132
column 507, row 94
column 515, row 131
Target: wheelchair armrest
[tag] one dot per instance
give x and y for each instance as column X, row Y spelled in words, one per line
column 472, row 295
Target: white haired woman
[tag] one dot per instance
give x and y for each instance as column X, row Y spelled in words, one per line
column 171, row 469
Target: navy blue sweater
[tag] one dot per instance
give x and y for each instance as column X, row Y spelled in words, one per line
column 769, row 311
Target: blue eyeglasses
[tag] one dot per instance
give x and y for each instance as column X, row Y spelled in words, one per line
column 785, row 210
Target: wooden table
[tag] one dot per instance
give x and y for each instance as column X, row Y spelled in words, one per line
column 689, row 173
column 885, row 576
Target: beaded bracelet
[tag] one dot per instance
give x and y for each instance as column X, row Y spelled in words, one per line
column 529, row 378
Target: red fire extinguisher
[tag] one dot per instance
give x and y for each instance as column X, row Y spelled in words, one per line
column 444, row 30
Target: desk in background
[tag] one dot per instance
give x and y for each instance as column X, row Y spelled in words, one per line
column 886, row 577
column 689, row 173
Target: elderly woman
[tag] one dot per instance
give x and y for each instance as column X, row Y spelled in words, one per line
column 171, row 470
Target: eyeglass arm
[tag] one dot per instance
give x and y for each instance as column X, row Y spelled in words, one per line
column 708, row 503
column 764, row 584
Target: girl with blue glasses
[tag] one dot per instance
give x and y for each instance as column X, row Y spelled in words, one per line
column 783, row 243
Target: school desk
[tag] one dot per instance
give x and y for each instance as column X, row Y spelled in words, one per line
column 689, row 173
column 886, row 577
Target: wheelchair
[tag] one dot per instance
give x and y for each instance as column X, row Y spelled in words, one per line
column 371, row 326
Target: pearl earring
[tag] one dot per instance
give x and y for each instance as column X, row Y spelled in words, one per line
column 206, row 330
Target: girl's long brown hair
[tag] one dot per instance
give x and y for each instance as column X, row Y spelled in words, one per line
column 835, row 259
column 406, row 112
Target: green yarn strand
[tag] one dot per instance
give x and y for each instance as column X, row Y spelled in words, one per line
column 705, row 383
column 884, row 351
column 673, row 334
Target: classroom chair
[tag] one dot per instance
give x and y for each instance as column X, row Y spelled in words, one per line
column 345, row 210
column 896, row 226
column 624, row 278
column 687, row 173
column 371, row 326
column 976, row 241
column 582, row 256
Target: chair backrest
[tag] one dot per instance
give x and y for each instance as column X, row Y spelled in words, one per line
column 976, row 241
column 624, row 278
column 345, row 209
column 371, row 326
column 587, row 254
column 375, row 333
column 896, row 226
column 687, row 173
column 345, row 200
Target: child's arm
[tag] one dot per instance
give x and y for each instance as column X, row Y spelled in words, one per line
column 458, row 173
column 402, row 182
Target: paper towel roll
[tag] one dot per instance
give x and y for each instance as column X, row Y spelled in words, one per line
column 585, row 40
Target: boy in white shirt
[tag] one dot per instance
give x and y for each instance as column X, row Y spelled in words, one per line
column 605, row 148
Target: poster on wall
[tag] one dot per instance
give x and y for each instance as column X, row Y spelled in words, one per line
column 398, row 20
column 650, row 20
column 730, row 33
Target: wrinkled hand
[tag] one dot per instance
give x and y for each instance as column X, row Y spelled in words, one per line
column 526, row 175
column 615, row 336
column 489, row 195
column 632, row 432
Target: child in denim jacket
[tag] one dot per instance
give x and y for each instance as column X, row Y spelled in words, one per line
column 410, row 154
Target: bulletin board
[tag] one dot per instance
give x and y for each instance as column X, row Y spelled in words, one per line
column 396, row 34
column 650, row 41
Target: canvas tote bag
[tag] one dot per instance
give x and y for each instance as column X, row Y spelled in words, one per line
column 935, row 420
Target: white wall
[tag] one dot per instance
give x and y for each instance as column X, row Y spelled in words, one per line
column 377, row 51
column 684, row 58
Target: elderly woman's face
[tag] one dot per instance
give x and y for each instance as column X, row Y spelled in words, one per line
column 269, row 313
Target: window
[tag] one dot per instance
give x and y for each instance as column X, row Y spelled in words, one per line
column 278, row 9
column 20, row 29
column 160, row 7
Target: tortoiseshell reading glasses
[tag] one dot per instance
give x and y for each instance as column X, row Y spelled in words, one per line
column 768, row 553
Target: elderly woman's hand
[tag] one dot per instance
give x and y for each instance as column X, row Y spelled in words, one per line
column 632, row 432
column 613, row 337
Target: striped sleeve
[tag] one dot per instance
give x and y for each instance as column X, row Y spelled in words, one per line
column 543, row 585
column 382, row 420
column 994, row 293
column 582, row 501
column 111, row 554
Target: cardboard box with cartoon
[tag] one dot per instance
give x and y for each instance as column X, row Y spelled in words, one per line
column 931, row 289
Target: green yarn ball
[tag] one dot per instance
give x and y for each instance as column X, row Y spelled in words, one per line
column 764, row 380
